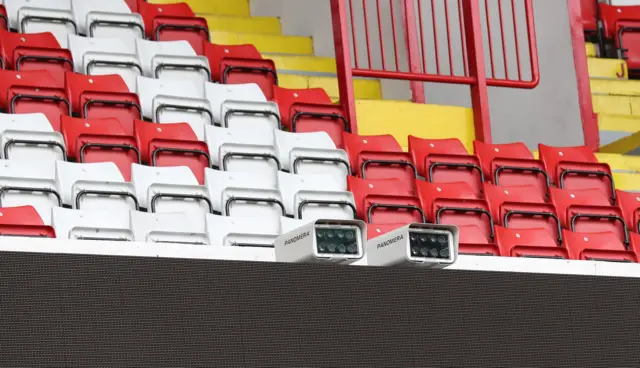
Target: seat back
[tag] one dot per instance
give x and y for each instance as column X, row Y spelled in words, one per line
column 629, row 204
column 385, row 201
column 312, row 197
column 597, row 246
column 175, row 60
column 96, row 224
column 534, row 243
column 31, row 19
column 235, row 149
column 24, row 221
column 112, row 18
column 172, row 228
column 24, row 183
column 173, row 22
column 253, row 232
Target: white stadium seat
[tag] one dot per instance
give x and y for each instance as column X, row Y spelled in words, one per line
column 30, row 137
column 174, row 60
column 241, row 105
column 111, row 18
column 110, row 225
column 36, row 16
column 240, row 150
column 178, row 228
column 242, row 231
column 24, row 183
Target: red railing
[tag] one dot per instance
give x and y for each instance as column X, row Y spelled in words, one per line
column 444, row 41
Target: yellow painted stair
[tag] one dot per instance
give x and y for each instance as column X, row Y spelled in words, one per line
column 616, row 105
column 304, row 63
column 364, row 88
column 221, row 7
column 228, row 23
column 615, row 87
column 591, row 49
column 607, row 68
column 265, row 42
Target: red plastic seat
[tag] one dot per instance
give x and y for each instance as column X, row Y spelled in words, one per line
column 174, row 22
column 4, row 20
column 100, row 140
column 446, row 161
column 511, row 164
column 173, row 144
column 601, row 246
column 522, row 207
column 577, row 168
column 385, row 202
column 589, row 15
column 103, row 96
column 24, row 221
column 536, row 243
column 629, row 204
column 311, row 110
column 375, row 230
column 241, row 64
column 621, row 24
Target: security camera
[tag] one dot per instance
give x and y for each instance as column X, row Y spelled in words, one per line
column 415, row 245
column 335, row 241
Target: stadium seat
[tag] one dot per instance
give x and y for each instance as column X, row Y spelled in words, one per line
column 111, row 18
column 103, row 96
column 240, row 150
column 597, row 246
column 244, row 194
column 577, row 168
column 94, row 186
column 620, row 25
column 30, row 137
column 100, row 140
column 241, row 105
column 4, row 20
column 241, row 64
column 529, row 243
column 172, row 145
column 385, row 201
column 446, row 161
column 172, row 60
column 242, row 231
column 313, row 197
column 311, row 110
column 133, row 5
column 629, row 204
column 95, row 224
column 25, row 183
column 379, row 157
column 311, row 153
column 589, row 15
column 175, row 228
column 512, row 164
column 169, row 189
column 27, row 16
column 24, row 221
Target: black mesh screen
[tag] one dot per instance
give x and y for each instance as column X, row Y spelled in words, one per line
column 70, row 310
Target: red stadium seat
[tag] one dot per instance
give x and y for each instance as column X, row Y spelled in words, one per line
column 379, row 157
column 621, row 24
column 629, row 203
column 133, row 5
column 588, row 210
column 4, row 20
column 577, row 168
column 311, row 110
column 511, row 164
column 589, row 15
column 605, row 246
column 536, row 243
column 375, row 230
column 173, row 144
column 385, row 202
column 174, row 22
column 522, row 207
column 23, row 221
column 100, row 140
column 241, row 64
column 103, row 96
column 446, row 161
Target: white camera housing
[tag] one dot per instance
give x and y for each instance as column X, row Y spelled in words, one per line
column 321, row 241
column 407, row 246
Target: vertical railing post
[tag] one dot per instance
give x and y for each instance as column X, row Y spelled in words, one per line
column 413, row 49
column 343, row 60
column 475, row 52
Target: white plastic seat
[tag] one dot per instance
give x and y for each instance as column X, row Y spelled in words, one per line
column 94, row 186
column 177, row 228
column 242, row 231
column 311, row 153
column 26, row 183
column 242, row 105
column 111, row 18
column 110, row 225
column 240, row 150
column 312, row 197
column 169, row 189
column 31, row 18
column 174, row 60
column 243, row 194
column 30, row 137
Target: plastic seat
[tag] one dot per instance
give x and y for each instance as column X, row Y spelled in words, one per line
column 94, row 186
column 446, row 161
column 176, row 144
column 24, row 221
column 522, row 207
column 172, row 60
column 96, row 224
column 385, row 201
column 242, row 105
column 169, row 189
column 311, row 153
column 528, row 243
column 111, row 18
column 311, row 110
column 30, row 137
column 172, row 228
column 243, row 195
column 512, row 164
column 620, row 24
column 588, row 211
column 629, row 204
column 240, row 150
column 589, row 15
column 313, row 197
column 4, row 19
column 240, row 64
column 24, row 183
column 26, row 16
column 597, row 246
column 252, row 232
column 577, row 168
column 133, row 5
column 100, row 140
column 173, row 22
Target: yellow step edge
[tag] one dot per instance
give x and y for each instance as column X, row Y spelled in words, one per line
column 591, row 49
column 228, row 23
column 615, row 87
column 364, row 88
column 266, row 43
column 627, row 181
column 619, row 162
column 619, row 123
column 607, row 68
column 615, row 105
column 304, row 63
column 222, row 7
